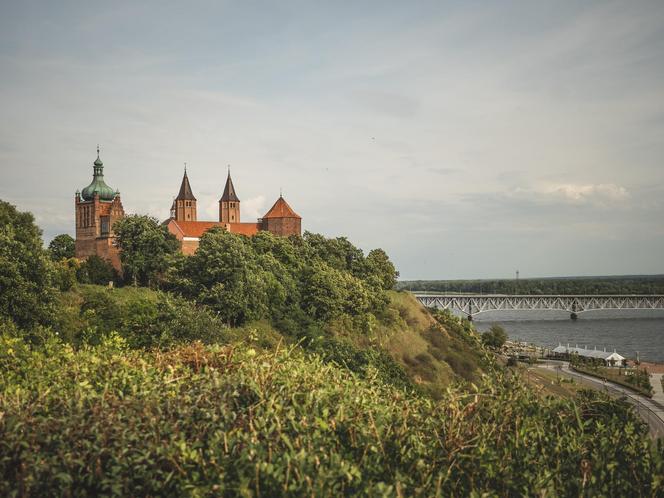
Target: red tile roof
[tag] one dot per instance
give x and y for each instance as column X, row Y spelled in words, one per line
column 195, row 228
column 281, row 209
column 198, row 228
column 247, row 229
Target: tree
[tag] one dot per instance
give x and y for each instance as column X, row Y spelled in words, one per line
column 339, row 253
column 62, row 247
column 379, row 265
column 146, row 248
column 26, row 291
column 322, row 291
column 495, row 337
column 96, row 270
column 224, row 274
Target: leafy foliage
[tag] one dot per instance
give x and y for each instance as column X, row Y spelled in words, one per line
column 95, row 270
column 495, row 337
column 26, row 275
column 290, row 281
column 143, row 318
column 146, row 248
column 227, row 421
column 61, row 247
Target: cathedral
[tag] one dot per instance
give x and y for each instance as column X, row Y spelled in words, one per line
column 98, row 206
column 183, row 223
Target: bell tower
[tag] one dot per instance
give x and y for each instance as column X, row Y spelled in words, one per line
column 229, row 204
column 184, row 205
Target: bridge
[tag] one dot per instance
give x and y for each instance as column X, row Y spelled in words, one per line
column 471, row 304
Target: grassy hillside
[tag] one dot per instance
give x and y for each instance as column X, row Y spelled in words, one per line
column 431, row 354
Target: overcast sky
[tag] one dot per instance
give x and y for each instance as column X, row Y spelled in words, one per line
column 468, row 139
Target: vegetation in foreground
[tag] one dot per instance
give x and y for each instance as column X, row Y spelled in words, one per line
column 273, row 366
column 229, row 421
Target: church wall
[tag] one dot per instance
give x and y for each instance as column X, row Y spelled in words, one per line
column 189, row 247
column 89, row 240
column 283, row 226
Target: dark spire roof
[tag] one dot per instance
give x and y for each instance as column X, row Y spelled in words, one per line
column 229, row 190
column 185, row 193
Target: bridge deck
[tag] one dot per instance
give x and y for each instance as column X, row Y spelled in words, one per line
column 577, row 303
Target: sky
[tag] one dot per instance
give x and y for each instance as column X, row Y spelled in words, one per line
column 468, row 139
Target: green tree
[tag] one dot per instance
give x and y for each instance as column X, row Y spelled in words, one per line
column 323, row 293
column 95, row 270
column 339, row 253
column 224, row 274
column 62, row 247
column 64, row 273
column 146, row 248
column 495, row 337
column 26, row 291
column 379, row 265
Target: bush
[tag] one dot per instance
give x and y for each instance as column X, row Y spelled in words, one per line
column 95, row 270
column 144, row 319
column 198, row 421
column 495, row 337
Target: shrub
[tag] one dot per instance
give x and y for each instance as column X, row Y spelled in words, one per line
column 224, row 421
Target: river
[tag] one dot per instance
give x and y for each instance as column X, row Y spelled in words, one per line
column 628, row 332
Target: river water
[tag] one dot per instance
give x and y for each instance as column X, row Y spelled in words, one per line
column 628, row 332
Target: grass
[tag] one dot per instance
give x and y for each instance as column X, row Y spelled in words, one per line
column 550, row 384
column 432, row 355
column 613, row 375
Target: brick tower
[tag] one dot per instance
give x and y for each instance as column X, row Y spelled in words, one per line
column 97, row 208
column 281, row 219
column 229, row 204
column 184, row 205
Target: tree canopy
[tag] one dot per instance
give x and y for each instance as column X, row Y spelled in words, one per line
column 146, row 248
column 280, row 278
column 26, row 275
column 62, row 247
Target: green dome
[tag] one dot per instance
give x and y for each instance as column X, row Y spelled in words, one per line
column 98, row 185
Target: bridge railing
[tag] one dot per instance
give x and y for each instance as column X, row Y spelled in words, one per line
column 479, row 303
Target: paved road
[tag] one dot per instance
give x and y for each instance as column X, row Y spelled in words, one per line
column 650, row 411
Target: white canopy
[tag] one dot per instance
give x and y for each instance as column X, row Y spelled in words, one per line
column 590, row 353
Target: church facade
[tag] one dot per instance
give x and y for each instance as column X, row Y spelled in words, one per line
column 97, row 207
column 280, row 219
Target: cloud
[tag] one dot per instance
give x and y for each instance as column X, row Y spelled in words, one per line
column 600, row 195
column 444, row 134
column 253, row 207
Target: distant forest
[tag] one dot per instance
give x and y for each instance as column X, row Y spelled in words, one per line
column 628, row 284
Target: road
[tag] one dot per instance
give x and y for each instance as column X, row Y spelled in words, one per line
column 650, row 411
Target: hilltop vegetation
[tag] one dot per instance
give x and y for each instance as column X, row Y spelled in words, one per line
column 273, row 366
column 636, row 284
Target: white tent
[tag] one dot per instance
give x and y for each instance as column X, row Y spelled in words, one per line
column 590, row 353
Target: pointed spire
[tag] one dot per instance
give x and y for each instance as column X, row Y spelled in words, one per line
column 185, row 193
column 229, row 190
